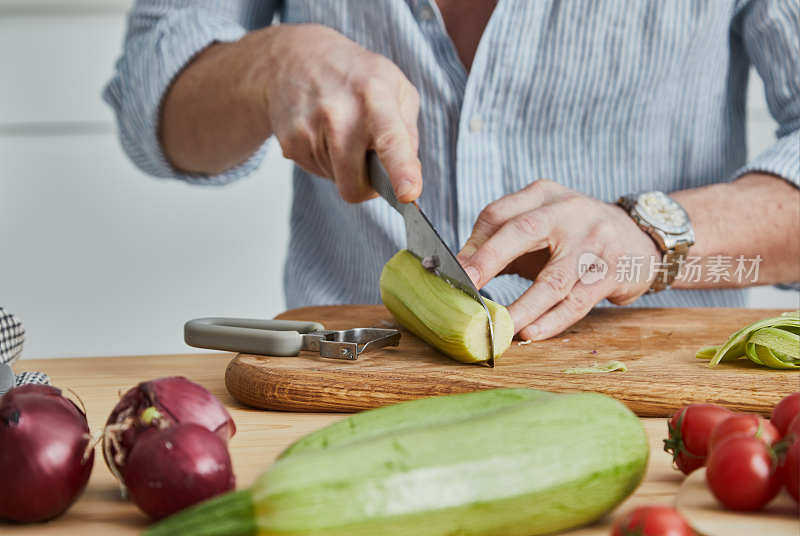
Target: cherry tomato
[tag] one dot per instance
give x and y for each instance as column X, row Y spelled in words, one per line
column 786, row 410
column 793, row 430
column 689, row 431
column 743, row 425
column 742, row 474
column 652, row 521
column 791, row 469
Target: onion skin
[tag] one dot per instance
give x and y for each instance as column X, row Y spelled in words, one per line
column 33, row 388
column 177, row 400
column 176, row 467
column 43, row 440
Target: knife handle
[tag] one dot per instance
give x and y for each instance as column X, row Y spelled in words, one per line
column 249, row 335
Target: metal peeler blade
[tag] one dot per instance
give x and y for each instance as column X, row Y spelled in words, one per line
column 348, row 344
column 285, row 337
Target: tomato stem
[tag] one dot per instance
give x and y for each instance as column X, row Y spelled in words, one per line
column 674, row 443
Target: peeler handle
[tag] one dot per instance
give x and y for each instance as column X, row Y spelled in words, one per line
column 248, row 335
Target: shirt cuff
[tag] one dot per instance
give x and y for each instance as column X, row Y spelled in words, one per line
column 781, row 159
column 149, row 64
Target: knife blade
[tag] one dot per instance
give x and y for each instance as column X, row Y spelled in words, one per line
column 423, row 241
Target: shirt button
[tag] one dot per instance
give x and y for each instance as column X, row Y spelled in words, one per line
column 475, row 124
column 426, row 12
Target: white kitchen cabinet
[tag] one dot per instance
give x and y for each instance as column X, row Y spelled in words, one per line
column 98, row 259
column 54, row 67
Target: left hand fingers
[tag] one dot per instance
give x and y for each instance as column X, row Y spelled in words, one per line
column 575, row 306
column 498, row 213
column 527, row 232
column 552, row 285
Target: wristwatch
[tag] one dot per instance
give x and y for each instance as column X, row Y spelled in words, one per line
column 667, row 223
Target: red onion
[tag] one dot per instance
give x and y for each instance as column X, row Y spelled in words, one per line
column 161, row 403
column 172, row 468
column 45, row 453
column 33, row 388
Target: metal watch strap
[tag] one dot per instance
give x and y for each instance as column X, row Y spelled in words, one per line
column 671, row 261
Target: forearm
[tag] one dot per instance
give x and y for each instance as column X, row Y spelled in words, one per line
column 756, row 216
column 214, row 115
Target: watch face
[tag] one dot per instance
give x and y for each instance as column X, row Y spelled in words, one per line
column 660, row 211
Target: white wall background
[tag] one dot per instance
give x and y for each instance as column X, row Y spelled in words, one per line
column 99, row 259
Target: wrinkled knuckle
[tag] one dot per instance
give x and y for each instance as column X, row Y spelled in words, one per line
column 377, row 63
column 336, row 145
column 577, row 302
column 575, row 203
column 527, row 310
column 556, row 280
column 299, row 136
column 386, row 141
column 491, row 215
column 368, row 87
column 329, row 117
column 527, row 224
column 337, row 152
column 544, row 184
column 604, row 231
column 482, row 260
column 361, row 85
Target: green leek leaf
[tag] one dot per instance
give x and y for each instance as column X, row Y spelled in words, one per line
column 773, row 342
column 610, row 366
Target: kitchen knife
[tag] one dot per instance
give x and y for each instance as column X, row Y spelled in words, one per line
column 423, row 241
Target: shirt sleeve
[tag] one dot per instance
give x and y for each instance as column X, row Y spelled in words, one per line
column 162, row 38
column 770, row 30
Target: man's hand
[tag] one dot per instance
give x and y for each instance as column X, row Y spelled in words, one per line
column 327, row 99
column 515, row 234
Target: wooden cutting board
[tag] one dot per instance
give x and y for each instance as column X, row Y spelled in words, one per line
column 657, row 345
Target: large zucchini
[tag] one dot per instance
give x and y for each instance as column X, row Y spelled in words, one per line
column 415, row 414
column 440, row 314
column 523, row 468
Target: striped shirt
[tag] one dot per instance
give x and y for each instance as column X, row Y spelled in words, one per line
column 606, row 97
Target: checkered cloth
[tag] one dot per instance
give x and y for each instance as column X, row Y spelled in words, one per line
column 32, row 377
column 12, row 336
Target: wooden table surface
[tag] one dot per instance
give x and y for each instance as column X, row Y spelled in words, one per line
column 260, row 436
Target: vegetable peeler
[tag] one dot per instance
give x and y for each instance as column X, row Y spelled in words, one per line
column 285, row 337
